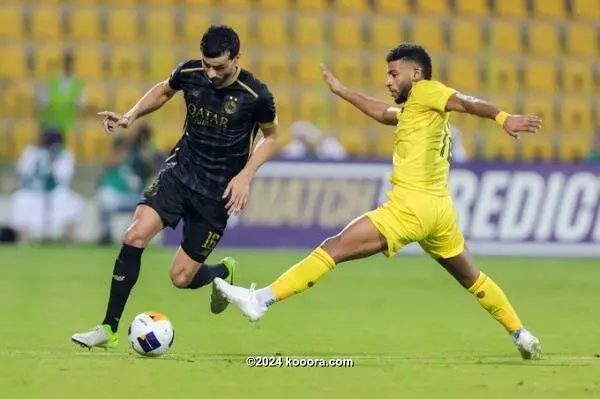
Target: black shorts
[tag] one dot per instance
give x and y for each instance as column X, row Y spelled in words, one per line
column 204, row 219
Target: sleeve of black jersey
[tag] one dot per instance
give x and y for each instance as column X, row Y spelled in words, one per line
column 264, row 108
column 175, row 77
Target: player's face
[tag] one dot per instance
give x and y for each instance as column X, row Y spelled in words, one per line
column 400, row 77
column 219, row 69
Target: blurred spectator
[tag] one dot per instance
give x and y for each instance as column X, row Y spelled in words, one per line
column 44, row 206
column 458, row 151
column 308, row 141
column 132, row 164
column 594, row 154
column 60, row 99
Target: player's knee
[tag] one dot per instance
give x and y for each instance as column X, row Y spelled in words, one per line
column 180, row 279
column 135, row 237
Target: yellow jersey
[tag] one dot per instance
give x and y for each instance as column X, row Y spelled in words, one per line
column 422, row 142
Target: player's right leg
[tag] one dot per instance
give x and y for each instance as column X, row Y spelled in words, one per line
column 359, row 239
column 146, row 224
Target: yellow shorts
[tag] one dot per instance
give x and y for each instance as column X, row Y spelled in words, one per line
column 412, row 216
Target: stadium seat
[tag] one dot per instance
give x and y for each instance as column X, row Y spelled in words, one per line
column 464, row 74
column 47, row 60
column 543, row 38
column 124, row 63
column 543, row 107
column 386, row 32
column 309, row 30
column 161, row 61
column 159, row 2
column 578, row 77
column 349, row 69
column 345, row 114
column 159, row 26
column 439, row 7
column 195, row 22
column 174, row 111
column 586, row 10
column 501, row 75
column 540, row 77
column 274, row 67
column 95, row 98
column 11, row 22
column 18, row 99
column 506, row 37
column 121, row 3
column 17, row 67
column 576, row 115
column 378, row 73
column 535, row 148
column 354, row 6
column 89, row 62
column 281, row 5
column 354, row 140
column 94, row 143
column 313, row 107
column 392, row 7
column 429, row 33
column 123, row 25
column 83, row 2
column 6, row 143
column 549, row 9
column 466, row 36
column 471, row 7
column 307, row 68
column 234, row 4
column 46, row 24
column 574, row 147
column 166, row 135
column 126, row 96
column 241, row 23
column 283, row 105
column 272, row 30
column 24, row 132
column 348, row 32
column 198, row 3
column 581, row 39
column 465, row 122
column 511, row 8
column 498, row 146
column 84, row 24
column 311, row 5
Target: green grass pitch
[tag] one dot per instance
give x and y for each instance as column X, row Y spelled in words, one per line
column 410, row 329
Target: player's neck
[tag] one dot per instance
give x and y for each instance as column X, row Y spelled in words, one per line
column 234, row 76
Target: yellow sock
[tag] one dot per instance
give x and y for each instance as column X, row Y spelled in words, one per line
column 492, row 298
column 303, row 274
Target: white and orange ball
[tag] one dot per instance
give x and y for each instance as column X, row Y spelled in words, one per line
column 151, row 334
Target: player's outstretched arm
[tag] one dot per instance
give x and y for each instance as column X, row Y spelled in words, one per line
column 155, row 98
column 376, row 109
column 512, row 124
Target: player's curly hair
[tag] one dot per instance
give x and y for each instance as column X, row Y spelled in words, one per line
column 412, row 52
column 218, row 40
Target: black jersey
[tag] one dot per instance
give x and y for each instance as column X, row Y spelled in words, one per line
column 220, row 128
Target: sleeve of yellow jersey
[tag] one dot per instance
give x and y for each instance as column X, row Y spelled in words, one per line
column 433, row 94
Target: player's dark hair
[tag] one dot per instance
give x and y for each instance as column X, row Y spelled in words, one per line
column 411, row 52
column 218, row 40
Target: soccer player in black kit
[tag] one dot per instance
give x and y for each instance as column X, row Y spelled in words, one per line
column 207, row 175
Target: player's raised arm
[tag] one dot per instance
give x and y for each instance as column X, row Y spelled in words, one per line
column 379, row 110
column 512, row 124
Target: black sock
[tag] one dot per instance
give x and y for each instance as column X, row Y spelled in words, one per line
column 125, row 274
column 206, row 274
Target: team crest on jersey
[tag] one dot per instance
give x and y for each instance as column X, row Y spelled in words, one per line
column 195, row 93
column 231, row 105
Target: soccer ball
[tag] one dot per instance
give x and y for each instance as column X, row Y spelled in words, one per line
column 151, row 334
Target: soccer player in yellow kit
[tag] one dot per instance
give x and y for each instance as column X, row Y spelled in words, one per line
column 419, row 207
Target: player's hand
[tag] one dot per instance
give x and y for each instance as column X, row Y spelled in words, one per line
column 517, row 124
column 334, row 84
column 237, row 191
column 112, row 120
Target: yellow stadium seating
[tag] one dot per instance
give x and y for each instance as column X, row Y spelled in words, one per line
column 123, row 25
column 11, row 22
column 386, row 32
column 17, row 67
column 429, row 33
column 161, row 61
column 378, row 72
column 464, row 74
column 94, row 143
column 345, row 114
column 357, row 6
column 48, row 60
column 506, row 37
column 196, row 3
column 471, row 7
column 384, row 141
column 540, row 77
column 160, row 26
column 347, row 32
column 88, row 63
column 511, row 8
column 309, row 30
column 469, row 142
column 392, row 7
column 549, row 9
column 432, row 7
column 543, row 107
column 465, row 122
column 466, row 36
column 499, row 146
column 125, row 63
column 195, row 22
column 543, row 38
column 83, row 2
column 576, row 115
column 283, row 104
column 586, row 9
column 95, row 98
column 353, row 140
column 121, row 2
column 126, row 96
column 159, row 2
column 311, row 5
column 502, row 75
column 581, row 39
column 313, row 107
column 6, row 145
column 308, row 68
column 578, row 77
column 574, row 147
column 537, row 148
column 240, row 23
column 19, row 99
column 46, row 23
column 273, row 4
column 25, row 132
column 274, row 67
column 272, row 30
column 84, row 24
column 349, row 69
column 234, row 4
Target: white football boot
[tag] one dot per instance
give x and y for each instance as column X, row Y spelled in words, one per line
column 101, row 336
column 245, row 299
column 527, row 344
